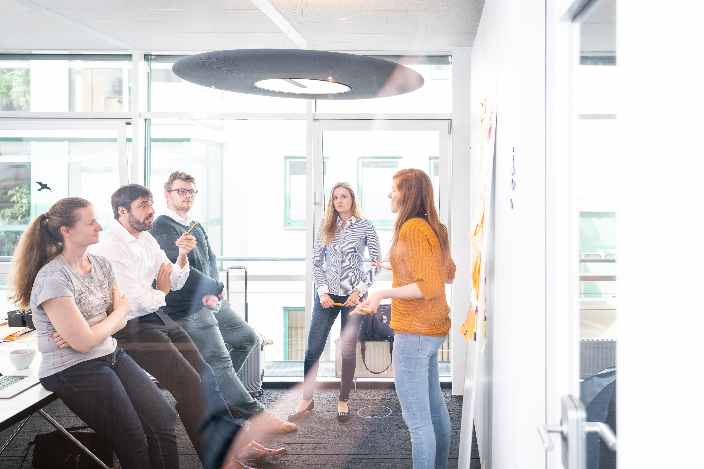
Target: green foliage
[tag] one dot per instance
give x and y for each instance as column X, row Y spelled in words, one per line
column 8, row 241
column 14, row 89
column 18, row 211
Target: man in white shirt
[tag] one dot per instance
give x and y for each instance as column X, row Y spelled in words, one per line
column 156, row 342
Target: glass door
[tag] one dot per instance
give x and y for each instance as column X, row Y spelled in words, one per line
column 366, row 154
column 585, row 341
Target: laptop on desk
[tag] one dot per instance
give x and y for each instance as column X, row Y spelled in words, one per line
column 14, row 383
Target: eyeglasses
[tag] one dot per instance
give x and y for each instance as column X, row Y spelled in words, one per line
column 184, row 192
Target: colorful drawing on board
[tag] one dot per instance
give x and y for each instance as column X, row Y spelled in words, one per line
column 478, row 313
column 469, row 326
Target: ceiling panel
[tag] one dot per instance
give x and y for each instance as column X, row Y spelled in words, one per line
column 186, row 25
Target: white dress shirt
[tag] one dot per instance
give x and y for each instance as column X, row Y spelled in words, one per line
column 175, row 216
column 136, row 262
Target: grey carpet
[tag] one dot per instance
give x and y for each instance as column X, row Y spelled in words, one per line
column 320, row 442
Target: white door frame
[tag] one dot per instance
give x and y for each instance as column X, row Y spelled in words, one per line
column 562, row 328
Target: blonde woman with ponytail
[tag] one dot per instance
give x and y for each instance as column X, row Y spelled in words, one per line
column 76, row 307
column 340, row 284
column 421, row 266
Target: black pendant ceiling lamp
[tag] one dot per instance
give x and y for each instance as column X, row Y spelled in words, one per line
column 297, row 73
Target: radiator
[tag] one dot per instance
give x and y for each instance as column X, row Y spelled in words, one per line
column 251, row 374
column 378, row 358
column 596, row 355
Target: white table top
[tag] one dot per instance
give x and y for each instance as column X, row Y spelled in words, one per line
column 9, row 408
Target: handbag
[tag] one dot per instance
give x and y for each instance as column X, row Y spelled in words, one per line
column 54, row 451
column 377, row 328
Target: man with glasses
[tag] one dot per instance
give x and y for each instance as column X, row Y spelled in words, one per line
column 223, row 338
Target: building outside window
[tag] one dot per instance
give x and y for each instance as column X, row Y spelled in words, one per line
column 295, row 192
column 374, row 176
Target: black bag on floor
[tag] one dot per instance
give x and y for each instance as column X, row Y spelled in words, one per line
column 54, row 450
column 377, row 328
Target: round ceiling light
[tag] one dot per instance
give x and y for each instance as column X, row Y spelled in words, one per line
column 296, row 73
column 302, row 86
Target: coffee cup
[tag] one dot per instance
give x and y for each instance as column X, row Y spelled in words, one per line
column 21, row 358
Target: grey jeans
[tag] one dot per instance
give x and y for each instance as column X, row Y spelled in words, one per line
column 225, row 340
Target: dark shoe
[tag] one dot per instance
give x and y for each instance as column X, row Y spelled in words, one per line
column 343, row 416
column 295, row 416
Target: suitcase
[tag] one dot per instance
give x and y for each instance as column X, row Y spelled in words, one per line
column 252, row 373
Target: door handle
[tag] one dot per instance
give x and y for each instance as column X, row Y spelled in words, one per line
column 604, row 431
column 544, row 432
column 573, row 429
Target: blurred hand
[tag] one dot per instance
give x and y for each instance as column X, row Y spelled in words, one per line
column 59, row 341
column 371, row 305
column 120, row 307
column 211, row 301
column 186, row 243
column 326, row 301
column 353, row 299
column 163, row 278
column 382, row 265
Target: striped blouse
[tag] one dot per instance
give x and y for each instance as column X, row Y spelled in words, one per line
column 338, row 267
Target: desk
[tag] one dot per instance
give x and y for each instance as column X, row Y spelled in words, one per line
column 22, row 406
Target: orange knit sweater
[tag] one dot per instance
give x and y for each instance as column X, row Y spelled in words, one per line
column 417, row 258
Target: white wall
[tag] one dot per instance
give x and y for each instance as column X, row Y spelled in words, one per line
column 508, row 63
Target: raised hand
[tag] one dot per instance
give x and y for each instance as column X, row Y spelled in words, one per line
column 186, row 243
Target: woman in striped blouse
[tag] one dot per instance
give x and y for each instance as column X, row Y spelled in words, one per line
column 340, row 283
column 421, row 266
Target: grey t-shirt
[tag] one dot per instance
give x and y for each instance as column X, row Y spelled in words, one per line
column 92, row 293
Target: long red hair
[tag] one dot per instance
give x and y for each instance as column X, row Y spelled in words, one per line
column 417, row 202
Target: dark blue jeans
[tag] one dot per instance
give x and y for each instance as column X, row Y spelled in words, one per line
column 323, row 319
column 116, row 398
column 165, row 351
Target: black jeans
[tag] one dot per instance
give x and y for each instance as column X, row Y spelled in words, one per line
column 166, row 352
column 116, row 398
column 323, row 319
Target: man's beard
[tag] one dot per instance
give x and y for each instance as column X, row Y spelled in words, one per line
column 139, row 225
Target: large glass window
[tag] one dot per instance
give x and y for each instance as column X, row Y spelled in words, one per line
column 195, row 147
column 242, row 193
column 169, row 93
column 64, row 83
column 38, row 167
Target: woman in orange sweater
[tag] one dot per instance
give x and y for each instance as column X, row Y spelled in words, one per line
column 421, row 266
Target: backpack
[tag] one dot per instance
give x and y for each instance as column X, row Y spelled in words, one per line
column 54, row 450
